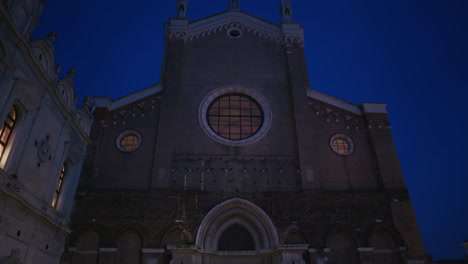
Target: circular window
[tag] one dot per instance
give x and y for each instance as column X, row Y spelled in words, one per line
column 235, row 115
column 234, row 33
column 342, row 144
column 128, row 141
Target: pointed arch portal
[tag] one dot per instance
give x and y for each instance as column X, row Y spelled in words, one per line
column 235, row 231
column 237, row 212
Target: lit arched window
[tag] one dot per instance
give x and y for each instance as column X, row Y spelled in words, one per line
column 6, row 130
column 63, row 171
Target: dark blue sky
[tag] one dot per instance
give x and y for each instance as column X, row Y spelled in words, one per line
column 411, row 54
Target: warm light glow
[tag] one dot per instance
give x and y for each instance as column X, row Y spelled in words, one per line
column 5, row 134
column 129, row 142
column 59, row 186
column 235, row 116
column 341, row 146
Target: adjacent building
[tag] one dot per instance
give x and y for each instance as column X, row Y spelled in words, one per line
column 43, row 140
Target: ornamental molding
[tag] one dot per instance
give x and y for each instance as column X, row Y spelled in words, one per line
column 333, row 114
column 333, row 101
column 287, row 33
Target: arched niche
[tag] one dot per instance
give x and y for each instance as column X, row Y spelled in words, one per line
column 240, row 214
column 82, row 118
column 45, row 55
column 343, row 246
column 385, row 245
column 88, row 246
column 65, row 89
column 293, row 236
column 129, row 246
column 176, row 235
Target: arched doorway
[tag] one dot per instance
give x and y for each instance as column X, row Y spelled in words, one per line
column 235, row 231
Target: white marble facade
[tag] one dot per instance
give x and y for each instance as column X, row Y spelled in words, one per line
column 43, row 137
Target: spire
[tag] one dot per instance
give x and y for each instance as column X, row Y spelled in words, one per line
column 234, row 4
column 286, row 11
column 182, row 6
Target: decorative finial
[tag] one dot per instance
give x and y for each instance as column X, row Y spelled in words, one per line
column 182, row 6
column 286, row 11
column 234, row 4
column 71, row 73
column 52, row 37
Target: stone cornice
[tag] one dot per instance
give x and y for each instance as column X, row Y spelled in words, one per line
column 126, row 100
column 333, row 101
column 14, row 189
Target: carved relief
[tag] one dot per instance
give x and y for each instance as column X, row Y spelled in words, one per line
column 42, row 150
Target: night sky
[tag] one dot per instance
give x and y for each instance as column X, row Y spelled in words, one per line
column 411, row 54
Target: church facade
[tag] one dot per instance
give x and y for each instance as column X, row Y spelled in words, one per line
column 231, row 158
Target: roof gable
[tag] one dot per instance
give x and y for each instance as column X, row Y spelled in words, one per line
column 182, row 29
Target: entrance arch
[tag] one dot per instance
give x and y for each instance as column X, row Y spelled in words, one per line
column 255, row 243
column 239, row 212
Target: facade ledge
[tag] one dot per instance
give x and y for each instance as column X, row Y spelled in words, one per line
column 152, row 250
column 10, row 186
column 112, row 105
column 374, row 108
column 333, row 101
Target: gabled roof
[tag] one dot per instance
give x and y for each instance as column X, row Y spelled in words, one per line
column 183, row 29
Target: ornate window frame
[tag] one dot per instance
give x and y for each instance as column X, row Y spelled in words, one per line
column 206, row 102
column 8, row 126
column 118, row 141
column 63, row 172
column 345, row 138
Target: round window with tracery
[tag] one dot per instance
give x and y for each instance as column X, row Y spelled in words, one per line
column 235, row 115
column 128, row 141
column 342, row 144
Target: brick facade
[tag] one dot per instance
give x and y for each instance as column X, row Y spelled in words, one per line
column 170, row 200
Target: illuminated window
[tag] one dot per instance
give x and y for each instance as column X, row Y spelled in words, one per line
column 63, row 171
column 342, row 144
column 6, row 130
column 128, row 141
column 235, row 116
